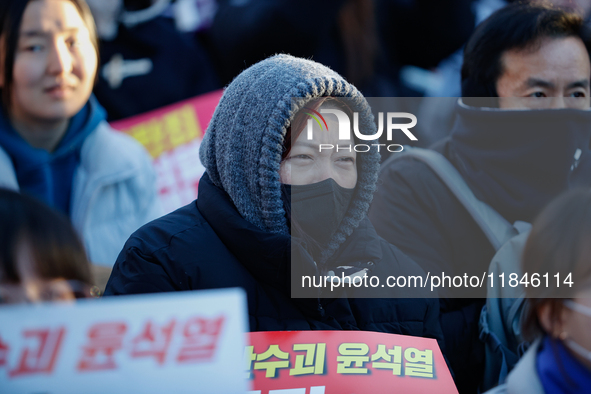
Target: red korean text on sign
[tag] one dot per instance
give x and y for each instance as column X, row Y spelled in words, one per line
column 200, row 339
column 3, row 353
column 104, row 339
column 153, row 341
column 42, row 356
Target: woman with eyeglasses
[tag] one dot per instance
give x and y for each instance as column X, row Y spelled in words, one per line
column 41, row 257
column 557, row 318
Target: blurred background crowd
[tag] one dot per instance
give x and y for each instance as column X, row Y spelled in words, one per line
column 159, row 52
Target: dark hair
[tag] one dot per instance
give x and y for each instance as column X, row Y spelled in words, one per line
column 56, row 249
column 516, row 26
column 11, row 16
column 558, row 243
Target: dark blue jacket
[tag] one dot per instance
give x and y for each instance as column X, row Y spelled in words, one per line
column 207, row 244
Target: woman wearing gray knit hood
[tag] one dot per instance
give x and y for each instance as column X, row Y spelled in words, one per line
column 259, row 175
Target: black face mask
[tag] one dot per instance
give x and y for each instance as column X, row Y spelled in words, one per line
column 317, row 209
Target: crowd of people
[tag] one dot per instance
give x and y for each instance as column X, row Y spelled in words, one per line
column 504, row 188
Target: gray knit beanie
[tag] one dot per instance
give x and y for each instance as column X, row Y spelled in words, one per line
column 242, row 147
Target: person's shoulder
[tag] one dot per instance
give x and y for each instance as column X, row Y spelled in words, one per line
column 184, row 224
column 408, row 172
column 107, row 151
column 118, row 141
column 7, row 174
column 402, row 162
column 524, row 377
column 415, row 179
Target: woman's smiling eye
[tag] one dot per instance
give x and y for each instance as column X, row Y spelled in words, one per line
column 34, row 48
column 72, row 42
column 301, row 156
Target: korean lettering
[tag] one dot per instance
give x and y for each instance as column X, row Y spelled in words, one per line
column 350, row 353
column 392, row 359
column 42, row 356
column 4, row 348
column 200, row 339
column 153, row 341
column 271, row 367
column 418, row 363
column 249, row 357
column 104, row 339
column 310, row 363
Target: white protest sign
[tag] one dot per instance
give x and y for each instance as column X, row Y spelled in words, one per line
column 186, row 342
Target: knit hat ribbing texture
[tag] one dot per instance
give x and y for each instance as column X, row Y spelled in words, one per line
column 242, row 146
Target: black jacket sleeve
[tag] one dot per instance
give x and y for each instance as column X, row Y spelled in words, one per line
column 137, row 273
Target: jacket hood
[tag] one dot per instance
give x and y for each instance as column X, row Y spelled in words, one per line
column 242, row 147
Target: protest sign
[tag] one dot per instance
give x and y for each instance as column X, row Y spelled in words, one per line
column 172, row 135
column 331, row 362
column 184, row 342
